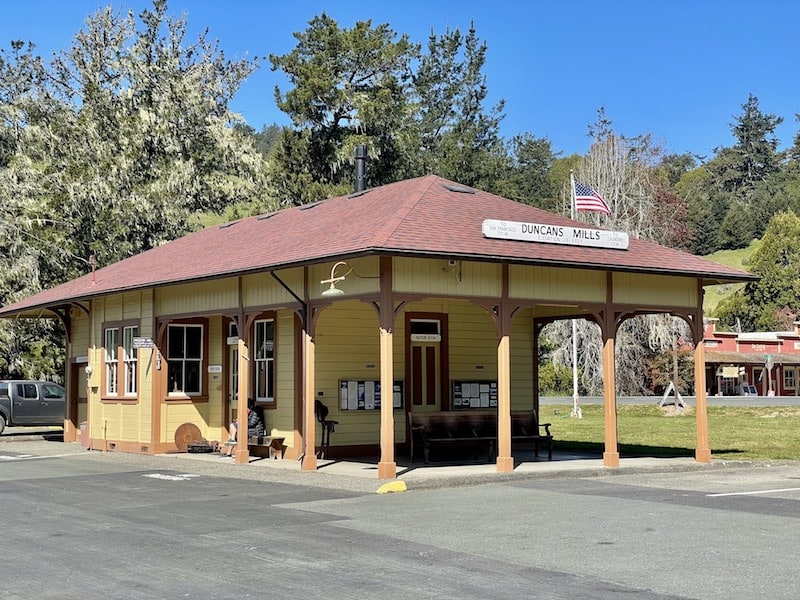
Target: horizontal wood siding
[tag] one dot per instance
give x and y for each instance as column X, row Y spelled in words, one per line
column 173, row 415
column 348, row 347
column 437, row 277
column 655, row 290
column 198, row 298
column 549, row 283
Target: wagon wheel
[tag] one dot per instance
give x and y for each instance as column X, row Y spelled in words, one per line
column 187, row 434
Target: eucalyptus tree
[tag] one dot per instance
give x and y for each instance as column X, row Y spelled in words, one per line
column 111, row 148
column 151, row 139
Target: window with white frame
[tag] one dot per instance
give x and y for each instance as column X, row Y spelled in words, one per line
column 185, row 358
column 129, row 359
column 120, row 360
column 264, row 360
column 112, row 360
column 789, row 378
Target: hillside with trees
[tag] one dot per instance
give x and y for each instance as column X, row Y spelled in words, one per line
column 125, row 140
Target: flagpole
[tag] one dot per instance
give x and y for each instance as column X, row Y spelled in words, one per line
column 576, row 409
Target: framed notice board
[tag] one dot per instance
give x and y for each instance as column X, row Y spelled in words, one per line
column 474, row 394
column 365, row 394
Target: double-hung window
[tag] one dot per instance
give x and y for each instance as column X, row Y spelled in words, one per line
column 112, row 361
column 789, row 378
column 120, row 360
column 264, row 360
column 185, row 356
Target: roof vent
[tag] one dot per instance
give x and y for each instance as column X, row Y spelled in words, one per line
column 226, row 225
column 310, row 206
column 461, row 189
column 266, row 216
column 357, row 194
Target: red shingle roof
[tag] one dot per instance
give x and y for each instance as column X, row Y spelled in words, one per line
column 427, row 216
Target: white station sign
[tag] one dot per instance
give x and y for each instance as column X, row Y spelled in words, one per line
column 555, row 234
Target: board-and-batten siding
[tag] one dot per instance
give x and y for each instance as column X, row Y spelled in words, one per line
column 550, row 284
column 263, row 289
column 80, row 337
column 198, row 298
column 348, row 347
column 655, row 290
column 437, row 277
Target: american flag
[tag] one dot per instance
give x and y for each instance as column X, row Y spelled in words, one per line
column 587, row 199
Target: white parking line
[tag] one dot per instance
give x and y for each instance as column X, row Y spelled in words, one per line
column 181, row 477
column 777, row 491
column 35, row 457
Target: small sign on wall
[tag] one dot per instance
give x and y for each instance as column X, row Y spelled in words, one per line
column 365, row 394
column 474, row 394
column 215, row 368
column 143, row 342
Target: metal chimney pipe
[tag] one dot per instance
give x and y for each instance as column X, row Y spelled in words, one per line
column 361, row 168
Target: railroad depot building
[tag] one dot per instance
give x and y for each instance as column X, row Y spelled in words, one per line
column 421, row 295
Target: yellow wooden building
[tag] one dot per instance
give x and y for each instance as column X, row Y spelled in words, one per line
column 422, row 295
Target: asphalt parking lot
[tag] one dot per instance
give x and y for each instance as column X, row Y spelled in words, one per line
column 110, row 525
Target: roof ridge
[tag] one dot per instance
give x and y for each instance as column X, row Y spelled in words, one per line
column 383, row 234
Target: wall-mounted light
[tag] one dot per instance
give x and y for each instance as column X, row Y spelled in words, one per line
column 334, row 279
column 453, row 266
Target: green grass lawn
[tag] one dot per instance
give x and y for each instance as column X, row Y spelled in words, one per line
column 751, row 433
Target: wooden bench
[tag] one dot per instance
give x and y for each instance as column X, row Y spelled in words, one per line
column 273, row 442
column 474, row 428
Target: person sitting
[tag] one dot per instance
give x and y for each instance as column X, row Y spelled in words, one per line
column 255, row 428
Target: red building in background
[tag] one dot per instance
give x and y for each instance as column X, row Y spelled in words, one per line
column 752, row 363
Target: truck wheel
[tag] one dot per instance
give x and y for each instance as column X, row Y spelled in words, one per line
column 2, row 423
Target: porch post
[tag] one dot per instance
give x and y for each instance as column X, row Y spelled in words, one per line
column 611, row 453
column 242, row 453
column 387, row 467
column 703, row 451
column 608, row 327
column 309, row 462
column 505, row 462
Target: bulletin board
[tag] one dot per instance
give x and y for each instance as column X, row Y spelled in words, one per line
column 474, row 394
column 365, row 394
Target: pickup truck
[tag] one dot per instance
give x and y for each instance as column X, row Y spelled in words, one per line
column 31, row 403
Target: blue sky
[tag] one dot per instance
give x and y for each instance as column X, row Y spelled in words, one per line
column 677, row 69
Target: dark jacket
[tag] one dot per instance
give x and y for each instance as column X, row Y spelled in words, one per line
column 255, row 424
